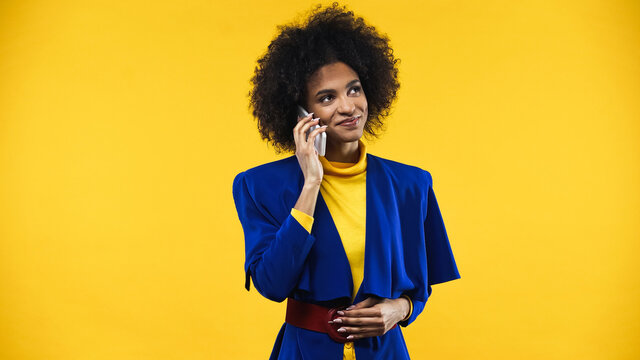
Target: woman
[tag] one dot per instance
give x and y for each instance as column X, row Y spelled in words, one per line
column 307, row 218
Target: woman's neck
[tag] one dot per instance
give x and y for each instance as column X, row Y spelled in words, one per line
column 343, row 152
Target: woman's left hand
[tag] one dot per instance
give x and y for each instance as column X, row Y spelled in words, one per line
column 373, row 316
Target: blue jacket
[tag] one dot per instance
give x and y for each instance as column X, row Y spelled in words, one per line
column 406, row 250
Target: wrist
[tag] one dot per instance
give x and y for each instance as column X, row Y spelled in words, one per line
column 311, row 184
column 406, row 307
column 307, row 199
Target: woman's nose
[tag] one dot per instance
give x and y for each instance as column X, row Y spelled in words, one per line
column 346, row 106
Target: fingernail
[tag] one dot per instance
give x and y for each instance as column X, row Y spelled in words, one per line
column 324, row 126
column 340, row 312
column 339, row 321
column 350, row 337
column 315, row 119
column 342, row 330
column 330, row 322
column 350, row 307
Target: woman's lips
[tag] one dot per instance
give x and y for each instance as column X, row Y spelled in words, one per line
column 349, row 123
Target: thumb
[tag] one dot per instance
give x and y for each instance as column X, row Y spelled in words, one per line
column 368, row 302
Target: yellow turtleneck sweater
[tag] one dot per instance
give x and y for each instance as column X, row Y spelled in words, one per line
column 343, row 189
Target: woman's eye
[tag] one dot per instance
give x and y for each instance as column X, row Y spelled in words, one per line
column 355, row 89
column 326, row 98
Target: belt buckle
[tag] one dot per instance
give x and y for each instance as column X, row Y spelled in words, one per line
column 332, row 329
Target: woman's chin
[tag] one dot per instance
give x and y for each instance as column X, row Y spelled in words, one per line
column 344, row 138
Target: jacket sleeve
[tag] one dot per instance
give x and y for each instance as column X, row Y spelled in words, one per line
column 274, row 253
column 441, row 265
column 418, row 306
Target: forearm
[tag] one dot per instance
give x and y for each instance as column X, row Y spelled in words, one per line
column 276, row 270
column 274, row 253
column 277, row 288
column 308, row 198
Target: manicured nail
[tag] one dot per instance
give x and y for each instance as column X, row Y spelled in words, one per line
column 339, row 321
column 330, row 322
column 324, row 126
column 340, row 312
column 342, row 330
column 350, row 337
column 315, row 119
column 350, row 307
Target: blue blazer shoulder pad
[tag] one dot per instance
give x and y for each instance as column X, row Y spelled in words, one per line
column 404, row 174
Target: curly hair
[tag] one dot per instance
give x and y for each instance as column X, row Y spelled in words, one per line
column 329, row 35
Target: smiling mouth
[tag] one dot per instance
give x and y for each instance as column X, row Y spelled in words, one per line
column 352, row 121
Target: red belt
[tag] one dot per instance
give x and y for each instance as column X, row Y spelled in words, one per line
column 316, row 318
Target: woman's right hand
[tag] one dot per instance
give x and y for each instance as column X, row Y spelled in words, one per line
column 306, row 152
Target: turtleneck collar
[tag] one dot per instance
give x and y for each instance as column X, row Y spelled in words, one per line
column 346, row 169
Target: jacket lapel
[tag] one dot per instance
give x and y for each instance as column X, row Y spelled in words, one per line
column 377, row 254
column 330, row 273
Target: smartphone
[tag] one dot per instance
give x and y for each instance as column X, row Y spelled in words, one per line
column 321, row 140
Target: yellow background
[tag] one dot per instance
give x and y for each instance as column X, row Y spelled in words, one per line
column 122, row 124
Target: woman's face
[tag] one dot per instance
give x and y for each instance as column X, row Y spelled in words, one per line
column 335, row 95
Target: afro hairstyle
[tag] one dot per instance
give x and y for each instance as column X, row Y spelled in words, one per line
column 328, row 35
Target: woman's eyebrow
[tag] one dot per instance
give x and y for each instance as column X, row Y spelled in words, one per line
column 352, row 82
column 329, row 91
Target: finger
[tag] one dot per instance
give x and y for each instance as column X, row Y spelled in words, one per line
column 360, row 321
column 360, row 329
column 361, row 332
column 366, row 312
column 308, row 116
column 371, row 332
column 368, row 302
column 302, row 121
column 302, row 131
column 297, row 130
column 305, row 127
column 316, row 132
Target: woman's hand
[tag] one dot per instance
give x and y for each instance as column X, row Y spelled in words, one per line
column 306, row 152
column 309, row 163
column 373, row 316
